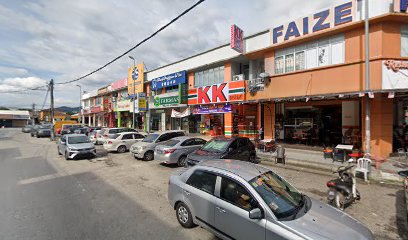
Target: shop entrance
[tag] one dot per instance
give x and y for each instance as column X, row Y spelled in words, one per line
column 400, row 125
column 212, row 124
column 310, row 125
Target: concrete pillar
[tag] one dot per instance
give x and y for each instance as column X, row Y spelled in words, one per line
column 119, row 119
column 228, row 120
column 269, row 120
column 94, row 120
column 163, row 121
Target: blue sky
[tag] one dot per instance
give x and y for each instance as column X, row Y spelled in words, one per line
column 65, row 39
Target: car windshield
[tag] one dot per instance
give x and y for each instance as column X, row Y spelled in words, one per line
column 78, row 140
column 171, row 143
column 283, row 199
column 216, row 146
column 150, row 138
column 28, row 126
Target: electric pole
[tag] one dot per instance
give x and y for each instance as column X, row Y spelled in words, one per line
column 367, row 81
column 52, row 109
column 33, row 114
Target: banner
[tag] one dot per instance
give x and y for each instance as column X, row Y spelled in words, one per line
column 208, row 109
column 394, row 74
column 176, row 114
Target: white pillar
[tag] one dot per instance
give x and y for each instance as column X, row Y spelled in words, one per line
column 163, row 121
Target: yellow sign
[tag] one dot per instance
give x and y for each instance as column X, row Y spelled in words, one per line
column 142, row 104
column 136, row 77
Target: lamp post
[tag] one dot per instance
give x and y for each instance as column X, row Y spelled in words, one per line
column 134, row 91
column 80, row 104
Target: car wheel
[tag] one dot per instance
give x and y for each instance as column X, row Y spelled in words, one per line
column 121, row 149
column 59, row 153
column 182, row 161
column 148, row 156
column 37, row 136
column 66, row 155
column 184, row 216
column 252, row 159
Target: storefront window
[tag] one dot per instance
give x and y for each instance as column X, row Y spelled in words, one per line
column 209, row 77
column 312, row 54
column 404, row 41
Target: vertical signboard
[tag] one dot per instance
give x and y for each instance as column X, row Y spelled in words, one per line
column 237, row 38
column 135, row 79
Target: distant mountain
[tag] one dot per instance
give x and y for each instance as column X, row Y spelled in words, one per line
column 68, row 109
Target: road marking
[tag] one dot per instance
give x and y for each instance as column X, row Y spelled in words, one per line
column 41, row 178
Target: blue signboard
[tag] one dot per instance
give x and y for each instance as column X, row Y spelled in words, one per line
column 169, row 80
column 403, row 5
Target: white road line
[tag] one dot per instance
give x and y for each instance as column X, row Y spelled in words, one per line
column 41, row 178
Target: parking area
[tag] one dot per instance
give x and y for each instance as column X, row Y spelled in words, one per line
column 382, row 207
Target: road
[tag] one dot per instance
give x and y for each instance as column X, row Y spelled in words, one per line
column 116, row 197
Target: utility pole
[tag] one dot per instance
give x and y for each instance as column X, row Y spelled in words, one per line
column 367, row 81
column 33, row 115
column 52, row 109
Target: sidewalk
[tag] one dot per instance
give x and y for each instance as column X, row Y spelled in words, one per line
column 388, row 171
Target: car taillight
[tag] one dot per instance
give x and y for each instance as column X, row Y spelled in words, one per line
column 330, row 184
column 169, row 151
column 109, row 142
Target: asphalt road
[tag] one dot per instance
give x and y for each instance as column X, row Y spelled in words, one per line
column 43, row 196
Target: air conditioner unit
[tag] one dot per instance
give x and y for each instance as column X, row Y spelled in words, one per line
column 238, row 77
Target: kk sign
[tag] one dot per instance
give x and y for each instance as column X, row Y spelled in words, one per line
column 237, row 38
column 169, row 80
column 225, row 92
column 326, row 19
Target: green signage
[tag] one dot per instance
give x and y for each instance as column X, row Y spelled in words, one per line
column 166, row 100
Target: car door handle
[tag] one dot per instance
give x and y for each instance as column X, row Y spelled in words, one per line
column 186, row 192
column 221, row 209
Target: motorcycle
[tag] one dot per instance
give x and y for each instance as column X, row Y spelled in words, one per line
column 342, row 190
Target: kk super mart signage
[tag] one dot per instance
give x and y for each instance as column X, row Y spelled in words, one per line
column 135, row 79
column 224, row 92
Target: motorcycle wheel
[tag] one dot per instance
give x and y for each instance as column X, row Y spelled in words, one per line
column 339, row 201
column 358, row 198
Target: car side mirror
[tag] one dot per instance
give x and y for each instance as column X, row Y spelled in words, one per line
column 255, row 213
column 63, row 143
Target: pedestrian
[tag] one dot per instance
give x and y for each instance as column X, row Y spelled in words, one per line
column 261, row 133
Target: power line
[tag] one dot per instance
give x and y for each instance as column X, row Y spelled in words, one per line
column 137, row 45
column 45, row 99
column 25, row 90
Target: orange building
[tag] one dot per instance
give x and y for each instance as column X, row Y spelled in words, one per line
column 303, row 82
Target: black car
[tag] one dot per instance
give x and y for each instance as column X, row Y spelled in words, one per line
column 238, row 148
column 83, row 130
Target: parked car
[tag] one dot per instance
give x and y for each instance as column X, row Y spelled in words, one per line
column 27, row 128
column 238, row 148
column 175, row 150
column 106, row 133
column 66, row 128
column 241, row 200
column 82, row 130
column 145, row 148
column 75, row 145
column 41, row 131
column 123, row 141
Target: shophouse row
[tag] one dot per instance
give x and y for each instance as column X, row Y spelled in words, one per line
column 301, row 82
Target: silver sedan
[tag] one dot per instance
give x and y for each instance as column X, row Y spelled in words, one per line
column 241, row 200
column 176, row 150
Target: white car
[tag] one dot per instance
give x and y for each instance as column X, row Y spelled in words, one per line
column 123, row 141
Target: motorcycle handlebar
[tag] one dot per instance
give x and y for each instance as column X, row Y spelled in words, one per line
column 343, row 170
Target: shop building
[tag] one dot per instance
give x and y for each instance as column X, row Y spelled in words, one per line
column 167, row 103
column 121, row 103
column 14, row 118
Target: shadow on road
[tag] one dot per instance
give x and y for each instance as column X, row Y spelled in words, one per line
column 401, row 214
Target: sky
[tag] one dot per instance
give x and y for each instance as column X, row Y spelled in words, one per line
column 65, row 39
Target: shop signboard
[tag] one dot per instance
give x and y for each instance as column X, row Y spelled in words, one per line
column 96, row 109
column 212, row 108
column 183, row 93
column 394, row 74
column 400, row 5
column 177, row 114
column 256, row 85
column 173, row 79
column 158, row 101
column 141, row 102
column 105, row 103
column 329, row 18
column 119, row 84
column 224, row 92
column 172, row 99
column 103, row 91
column 122, row 106
column 135, row 79
column 237, row 38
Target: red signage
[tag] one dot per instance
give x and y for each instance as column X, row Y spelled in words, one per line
column 237, row 38
column 96, row 109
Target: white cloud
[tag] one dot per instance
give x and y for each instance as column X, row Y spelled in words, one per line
column 21, row 83
column 16, row 72
column 66, row 39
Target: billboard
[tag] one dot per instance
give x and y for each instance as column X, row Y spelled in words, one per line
column 237, row 38
column 135, row 78
column 173, row 79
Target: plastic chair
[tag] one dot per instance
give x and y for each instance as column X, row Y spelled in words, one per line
column 402, row 153
column 280, row 155
column 364, row 166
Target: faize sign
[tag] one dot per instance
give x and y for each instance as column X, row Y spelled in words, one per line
column 326, row 19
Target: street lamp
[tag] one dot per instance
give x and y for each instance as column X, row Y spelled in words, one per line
column 80, row 104
column 134, row 91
